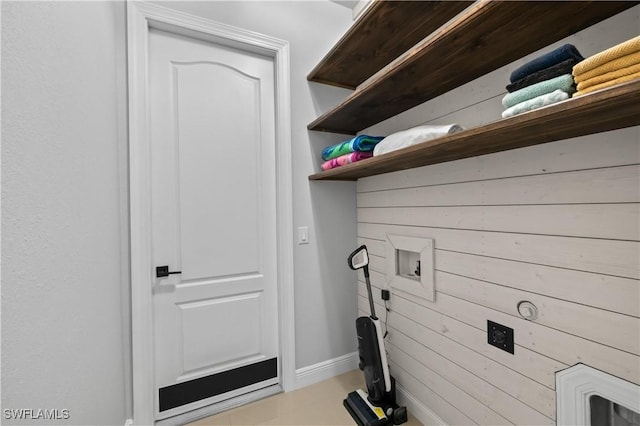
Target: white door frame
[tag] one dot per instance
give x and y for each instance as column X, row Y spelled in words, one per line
column 140, row 18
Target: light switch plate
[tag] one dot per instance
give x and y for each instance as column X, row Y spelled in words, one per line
column 303, row 235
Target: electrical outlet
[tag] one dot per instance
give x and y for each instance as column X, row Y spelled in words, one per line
column 385, row 294
column 500, row 336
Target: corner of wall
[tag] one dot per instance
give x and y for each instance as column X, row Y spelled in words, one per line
column 324, row 370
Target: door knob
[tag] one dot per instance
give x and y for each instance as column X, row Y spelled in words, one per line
column 163, row 271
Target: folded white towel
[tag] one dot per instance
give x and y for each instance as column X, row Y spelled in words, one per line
column 535, row 103
column 413, row 136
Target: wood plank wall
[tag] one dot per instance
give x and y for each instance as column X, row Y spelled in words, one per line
column 555, row 224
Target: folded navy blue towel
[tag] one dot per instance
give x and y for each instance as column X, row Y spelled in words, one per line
column 564, row 67
column 556, row 56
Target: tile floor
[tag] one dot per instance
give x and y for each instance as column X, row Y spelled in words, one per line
column 318, row 404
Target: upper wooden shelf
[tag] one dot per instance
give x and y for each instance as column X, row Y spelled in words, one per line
column 609, row 109
column 384, row 31
column 484, row 37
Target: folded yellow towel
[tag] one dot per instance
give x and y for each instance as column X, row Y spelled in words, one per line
column 616, row 64
column 610, row 54
column 609, row 76
column 607, row 84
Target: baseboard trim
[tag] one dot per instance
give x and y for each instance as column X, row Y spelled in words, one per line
column 324, row 370
column 417, row 409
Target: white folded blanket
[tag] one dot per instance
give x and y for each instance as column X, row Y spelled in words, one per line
column 412, row 136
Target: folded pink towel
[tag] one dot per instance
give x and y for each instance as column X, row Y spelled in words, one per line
column 345, row 159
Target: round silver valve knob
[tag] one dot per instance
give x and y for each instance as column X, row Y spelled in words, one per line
column 527, row 310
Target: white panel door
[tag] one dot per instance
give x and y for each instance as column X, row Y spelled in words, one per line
column 212, row 128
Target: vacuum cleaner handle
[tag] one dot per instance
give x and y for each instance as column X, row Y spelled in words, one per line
column 371, row 306
column 359, row 259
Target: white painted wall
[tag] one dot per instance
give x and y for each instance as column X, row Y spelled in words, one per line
column 62, row 261
column 65, row 289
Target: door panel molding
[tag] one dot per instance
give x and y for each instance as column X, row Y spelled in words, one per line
column 141, row 18
column 227, row 310
column 217, row 280
column 231, row 92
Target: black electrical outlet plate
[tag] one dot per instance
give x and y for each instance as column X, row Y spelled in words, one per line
column 500, row 336
column 385, row 294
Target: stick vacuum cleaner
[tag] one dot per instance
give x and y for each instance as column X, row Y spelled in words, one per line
column 376, row 407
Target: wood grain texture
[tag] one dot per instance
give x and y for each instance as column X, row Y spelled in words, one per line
column 616, row 221
column 484, row 37
column 605, row 327
column 609, row 109
column 454, row 356
column 470, row 406
column 600, row 256
column 452, row 360
column 385, row 31
column 581, row 288
column 446, row 409
column 610, row 185
column 545, row 348
column 485, row 385
column 529, row 363
column 582, row 153
column 552, row 223
column 441, row 369
column 554, row 343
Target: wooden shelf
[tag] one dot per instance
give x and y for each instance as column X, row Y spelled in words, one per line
column 385, row 31
column 484, row 37
column 609, row 109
